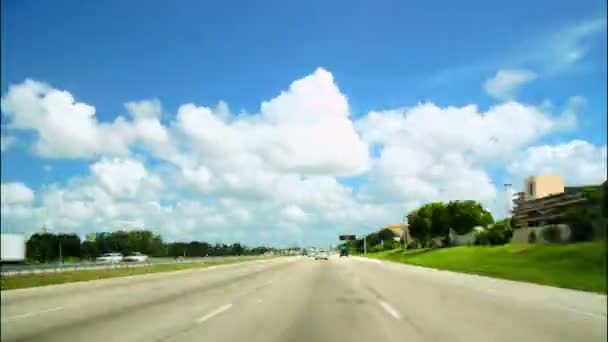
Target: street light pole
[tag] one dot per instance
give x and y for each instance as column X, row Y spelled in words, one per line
column 403, row 231
column 364, row 244
column 60, row 252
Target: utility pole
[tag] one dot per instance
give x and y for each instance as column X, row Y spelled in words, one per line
column 364, row 244
column 60, row 252
column 509, row 198
column 404, row 233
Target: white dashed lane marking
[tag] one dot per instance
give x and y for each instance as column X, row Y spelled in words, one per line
column 390, row 310
column 214, row 313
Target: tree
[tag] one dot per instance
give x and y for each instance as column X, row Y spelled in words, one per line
column 551, row 234
column 580, row 221
column 89, row 250
column 440, row 219
column 70, row 245
column 498, row 234
column 42, row 247
column 466, row 215
column 419, row 225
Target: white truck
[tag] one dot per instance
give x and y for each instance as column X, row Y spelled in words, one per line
column 12, row 246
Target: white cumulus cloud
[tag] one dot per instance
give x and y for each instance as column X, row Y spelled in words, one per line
column 66, row 128
column 281, row 174
column 16, row 193
column 577, row 161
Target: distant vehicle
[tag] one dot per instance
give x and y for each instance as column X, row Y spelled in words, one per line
column 344, row 252
column 323, row 254
column 12, row 247
column 109, row 258
column 136, row 257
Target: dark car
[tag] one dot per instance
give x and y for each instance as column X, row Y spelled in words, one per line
column 344, row 252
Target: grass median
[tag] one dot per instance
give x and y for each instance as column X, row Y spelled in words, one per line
column 580, row 266
column 42, row 279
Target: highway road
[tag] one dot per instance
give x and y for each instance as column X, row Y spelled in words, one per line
column 293, row 299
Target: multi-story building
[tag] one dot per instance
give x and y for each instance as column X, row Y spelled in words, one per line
column 542, row 186
column 544, row 201
column 401, row 231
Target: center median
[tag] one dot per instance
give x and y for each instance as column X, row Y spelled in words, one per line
column 42, row 279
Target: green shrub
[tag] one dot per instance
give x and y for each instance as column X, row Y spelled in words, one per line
column 532, row 237
column 580, row 221
column 552, row 234
column 498, row 234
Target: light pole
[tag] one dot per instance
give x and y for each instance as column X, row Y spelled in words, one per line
column 60, row 250
column 404, row 233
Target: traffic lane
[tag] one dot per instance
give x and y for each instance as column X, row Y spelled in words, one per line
column 152, row 321
column 311, row 301
column 47, row 315
column 459, row 307
column 84, row 289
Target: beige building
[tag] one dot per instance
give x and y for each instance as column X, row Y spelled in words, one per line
column 400, row 230
column 544, row 201
column 542, row 186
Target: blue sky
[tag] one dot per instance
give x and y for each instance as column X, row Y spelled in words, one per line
column 383, row 56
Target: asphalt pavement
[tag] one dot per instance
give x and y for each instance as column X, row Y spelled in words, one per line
column 293, row 299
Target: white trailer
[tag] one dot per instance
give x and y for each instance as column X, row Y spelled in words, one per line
column 12, row 247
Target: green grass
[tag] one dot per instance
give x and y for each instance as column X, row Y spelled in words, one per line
column 42, row 279
column 580, row 266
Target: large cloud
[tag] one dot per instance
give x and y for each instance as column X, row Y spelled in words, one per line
column 578, row 161
column 66, row 128
column 304, row 130
column 275, row 176
column 431, row 153
column 16, row 193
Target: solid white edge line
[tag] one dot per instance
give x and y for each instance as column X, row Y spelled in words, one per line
column 388, row 308
column 214, row 313
column 30, row 314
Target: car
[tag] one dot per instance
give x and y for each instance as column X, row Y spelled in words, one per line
column 109, row 258
column 136, row 257
column 344, row 252
column 322, row 254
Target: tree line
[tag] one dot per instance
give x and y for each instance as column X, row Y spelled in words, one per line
column 49, row 247
column 436, row 220
column 441, row 221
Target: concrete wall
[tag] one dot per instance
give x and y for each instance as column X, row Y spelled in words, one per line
column 521, row 235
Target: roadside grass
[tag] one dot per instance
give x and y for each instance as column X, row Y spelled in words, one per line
column 580, row 266
column 43, row 279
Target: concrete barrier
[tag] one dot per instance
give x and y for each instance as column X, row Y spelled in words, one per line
column 521, row 235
